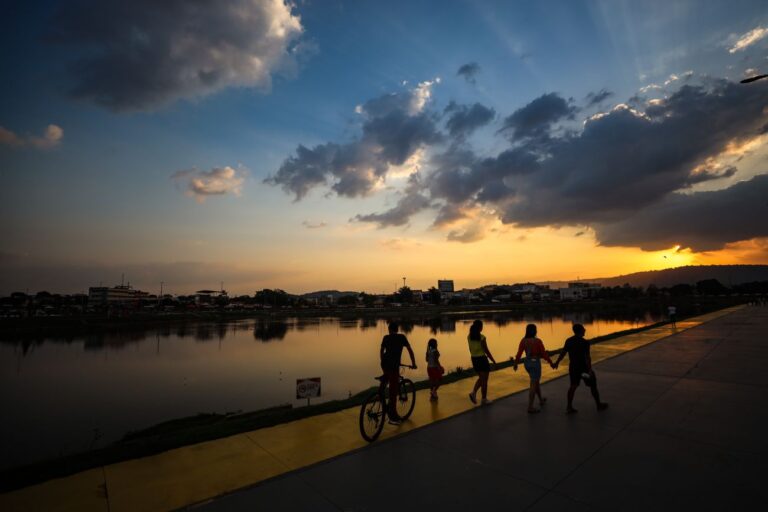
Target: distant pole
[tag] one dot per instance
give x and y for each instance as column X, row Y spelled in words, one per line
column 403, row 282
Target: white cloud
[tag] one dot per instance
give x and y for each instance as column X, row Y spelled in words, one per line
column 649, row 87
column 49, row 139
column 314, row 225
column 421, row 95
column 216, row 182
column 748, row 39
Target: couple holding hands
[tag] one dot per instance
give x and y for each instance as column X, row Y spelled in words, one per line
column 579, row 367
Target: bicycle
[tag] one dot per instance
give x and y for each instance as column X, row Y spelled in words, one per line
column 373, row 412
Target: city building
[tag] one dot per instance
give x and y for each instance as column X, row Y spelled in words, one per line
column 120, row 294
column 209, row 296
column 445, row 285
column 579, row 291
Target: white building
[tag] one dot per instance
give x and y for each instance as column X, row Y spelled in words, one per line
column 579, row 291
column 104, row 295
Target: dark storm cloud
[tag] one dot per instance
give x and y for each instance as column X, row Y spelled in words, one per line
column 465, row 119
column 610, row 176
column 595, row 98
column 702, row 221
column 395, row 127
column 142, row 54
column 469, row 71
column 461, row 178
column 411, row 203
column 535, row 120
column 625, row 160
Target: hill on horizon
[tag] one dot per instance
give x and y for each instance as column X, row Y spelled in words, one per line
column 728, row 275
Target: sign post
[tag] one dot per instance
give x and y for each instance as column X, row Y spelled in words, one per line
column 308, row 388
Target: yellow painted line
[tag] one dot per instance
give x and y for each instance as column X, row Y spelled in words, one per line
column 190, row 474
column 195, row 473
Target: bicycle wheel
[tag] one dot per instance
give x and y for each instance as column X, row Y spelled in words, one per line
column 406, row 399
column 372, row 417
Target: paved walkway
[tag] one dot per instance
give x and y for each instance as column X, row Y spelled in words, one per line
column 683, row 426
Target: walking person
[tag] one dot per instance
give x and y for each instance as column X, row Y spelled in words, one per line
column 579, row 367
column 478, row 349
column 391, row 350
column 672, row 312
column 534, row 353
column 435, row 370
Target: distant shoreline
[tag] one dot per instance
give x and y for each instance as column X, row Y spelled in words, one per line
column 11, row 328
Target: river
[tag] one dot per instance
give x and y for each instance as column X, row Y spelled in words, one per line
column 64, row 395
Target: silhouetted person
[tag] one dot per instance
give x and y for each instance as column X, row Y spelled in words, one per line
column 579, row 367
column 391, row 350
column 435, row 370
column 478, row 349
column 672, row 312
column 534, row 353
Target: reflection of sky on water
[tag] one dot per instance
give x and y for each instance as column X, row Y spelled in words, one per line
column 70, row 393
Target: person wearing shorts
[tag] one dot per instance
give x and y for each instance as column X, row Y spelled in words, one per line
column 579, row 367
column 435, row 370
column 534, row 353
column 478, row 350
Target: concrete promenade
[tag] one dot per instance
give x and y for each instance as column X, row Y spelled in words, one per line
column 682, row 430
column 686, row 430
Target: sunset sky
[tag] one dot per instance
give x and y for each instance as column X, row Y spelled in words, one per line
column 346, row 144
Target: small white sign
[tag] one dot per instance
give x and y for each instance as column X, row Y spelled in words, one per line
column 308, row 388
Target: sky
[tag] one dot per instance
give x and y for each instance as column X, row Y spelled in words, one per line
column 346, row 145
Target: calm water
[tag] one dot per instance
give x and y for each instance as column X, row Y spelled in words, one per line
column 60, row 396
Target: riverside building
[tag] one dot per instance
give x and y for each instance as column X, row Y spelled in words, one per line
column 120, row 294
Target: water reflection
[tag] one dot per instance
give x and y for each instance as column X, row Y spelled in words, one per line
column 368, row 323
column 346, row 323
column 270, row 330
column 276, row 329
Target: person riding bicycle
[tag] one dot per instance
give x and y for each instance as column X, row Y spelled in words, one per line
column 391, row 350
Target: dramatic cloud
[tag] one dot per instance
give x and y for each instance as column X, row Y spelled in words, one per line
column 216, row 182
column 395, row 127
column 748, row 39
column 626, row 160
column 535, row 120
column 142, row 54
column 469, row 71
column 595, row 98
column 703, row 221
column 411, row 203
column 623, row 162
column 50, row 138
column 617, row 172
column 465, row 119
